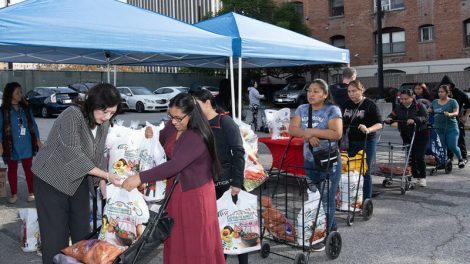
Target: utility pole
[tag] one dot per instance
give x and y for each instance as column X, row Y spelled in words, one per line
column 380, row 63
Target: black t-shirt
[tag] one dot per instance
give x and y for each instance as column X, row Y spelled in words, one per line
column 367, row 114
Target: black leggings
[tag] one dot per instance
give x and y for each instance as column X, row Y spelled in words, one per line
column 417, row 163
column 242, row 258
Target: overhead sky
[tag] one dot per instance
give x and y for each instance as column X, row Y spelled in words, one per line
column 4, row 2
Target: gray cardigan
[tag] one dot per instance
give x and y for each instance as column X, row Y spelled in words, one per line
column 70, row 152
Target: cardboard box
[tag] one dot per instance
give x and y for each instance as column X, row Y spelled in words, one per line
column 3, row 182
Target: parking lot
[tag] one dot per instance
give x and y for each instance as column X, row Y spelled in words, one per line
column 426, row 225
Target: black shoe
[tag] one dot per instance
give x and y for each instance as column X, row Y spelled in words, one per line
column 318, row 247
column 461, row 164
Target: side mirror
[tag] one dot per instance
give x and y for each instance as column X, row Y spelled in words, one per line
column 128, row 94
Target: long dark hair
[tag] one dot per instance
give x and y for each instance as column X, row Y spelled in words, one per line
column 100, row 97
column 203, row 95
column 426, row 94
column 5, row 109
column 198, row 121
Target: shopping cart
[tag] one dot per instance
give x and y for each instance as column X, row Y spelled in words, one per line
column 392, row 162
column 156, row 231
column 293, row 214
column 349, row 198
column 436, row 154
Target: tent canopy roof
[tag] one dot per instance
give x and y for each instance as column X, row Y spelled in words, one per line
column 93, row 31
column 264, row 45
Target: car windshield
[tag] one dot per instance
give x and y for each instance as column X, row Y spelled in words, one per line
column 211, row 88
column 293, row 87
column 140, row 90
column 183, row 89
column 63, row 90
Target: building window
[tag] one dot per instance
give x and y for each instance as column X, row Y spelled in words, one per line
column 393, row 40
column 426, row 33
column 338, row 41
column 299, row 9
column 467, row 32
column 337, row 7
column 390, row 4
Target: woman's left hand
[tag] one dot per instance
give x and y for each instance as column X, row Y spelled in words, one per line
column 410, row 121
column 131, row 182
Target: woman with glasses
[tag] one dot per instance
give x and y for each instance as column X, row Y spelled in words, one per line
column 361, row 119
column 229, row 145
column 412, row 117
column 446, row 112
column 190, row 148
column 20, row 138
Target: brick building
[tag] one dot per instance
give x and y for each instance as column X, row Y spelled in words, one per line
column 419, row 36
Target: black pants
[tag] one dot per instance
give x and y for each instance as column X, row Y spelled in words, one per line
column 417, row 163
column 242, row 258
column 460, row 143
column 60, row 216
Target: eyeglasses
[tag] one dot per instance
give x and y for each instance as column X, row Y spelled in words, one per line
column 177, row 118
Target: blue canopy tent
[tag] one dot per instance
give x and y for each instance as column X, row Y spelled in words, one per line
column 258, row 45
column 104, row 32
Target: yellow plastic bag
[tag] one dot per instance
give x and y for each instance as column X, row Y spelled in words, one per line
column 352, row 164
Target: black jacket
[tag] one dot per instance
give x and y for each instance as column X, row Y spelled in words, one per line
column 417, row 112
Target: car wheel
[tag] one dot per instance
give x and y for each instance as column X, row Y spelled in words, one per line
column 44, row 112
column 139, row 107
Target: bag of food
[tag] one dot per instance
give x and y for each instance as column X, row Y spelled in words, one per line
column 151, row 154
column 308, row 216
column 255, row 174
column 93, row 251
column 347, row 191
column 239, row 224
column 276, row 223
column 356, row 163
column 123, row 216
column 30, row 240
column 278, row 122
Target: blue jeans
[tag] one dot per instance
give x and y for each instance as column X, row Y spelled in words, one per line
column 317, row 176
column 371, row 149
column 449, row 139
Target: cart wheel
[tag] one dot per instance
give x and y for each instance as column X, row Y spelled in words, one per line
column 402, row 190
column 265, row 250
column 349, row 220
column 431, row 172
column 448, row 167
column 367, row 209
column 299, row 258
column 386, row 183
column 333, row 245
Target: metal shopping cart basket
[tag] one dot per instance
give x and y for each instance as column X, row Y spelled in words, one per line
column 293, row 214
column 392, row 162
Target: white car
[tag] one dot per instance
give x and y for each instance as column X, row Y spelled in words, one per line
column 171, row 91
column 141, row 99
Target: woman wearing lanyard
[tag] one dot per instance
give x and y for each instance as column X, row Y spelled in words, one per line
column 20, row 138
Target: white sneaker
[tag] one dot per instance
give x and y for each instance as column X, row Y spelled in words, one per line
column 422, row 182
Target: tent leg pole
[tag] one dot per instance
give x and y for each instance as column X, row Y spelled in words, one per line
column 108, row 74
column 232, row 87
column 114, row 71
column 240, row 88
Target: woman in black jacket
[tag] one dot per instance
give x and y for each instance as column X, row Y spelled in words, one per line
column 409, row 114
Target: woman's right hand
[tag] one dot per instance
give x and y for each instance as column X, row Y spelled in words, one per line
column 115, row 179
column 314, row 141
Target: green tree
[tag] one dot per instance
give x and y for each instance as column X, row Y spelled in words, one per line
column 286, row 16
column 259, row 9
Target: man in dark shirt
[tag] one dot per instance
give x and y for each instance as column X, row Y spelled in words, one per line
column 339, row 91
column 464, row 109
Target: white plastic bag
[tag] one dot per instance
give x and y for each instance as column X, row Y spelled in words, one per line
column 254, row 174
column 30, row 240
column 343, row 196
column 122, row 145
column 123, row 216
column 309, row 215
column 239, row 223
column 278, row 122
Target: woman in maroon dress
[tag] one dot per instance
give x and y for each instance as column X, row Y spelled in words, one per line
column 189, row 144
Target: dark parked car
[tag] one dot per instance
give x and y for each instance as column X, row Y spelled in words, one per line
column 47, row 101
column 291, row 94
column 82, row 88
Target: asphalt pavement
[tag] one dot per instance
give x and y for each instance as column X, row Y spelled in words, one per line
column 426, row 225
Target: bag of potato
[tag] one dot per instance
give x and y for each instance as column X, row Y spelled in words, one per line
column 239, row 223
column 30, row 240
column 347, row 191
column 354, row 163
column 276, row 223
column 93, row 251
column 255, row 174
column 309, row 215
column 278, row 122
